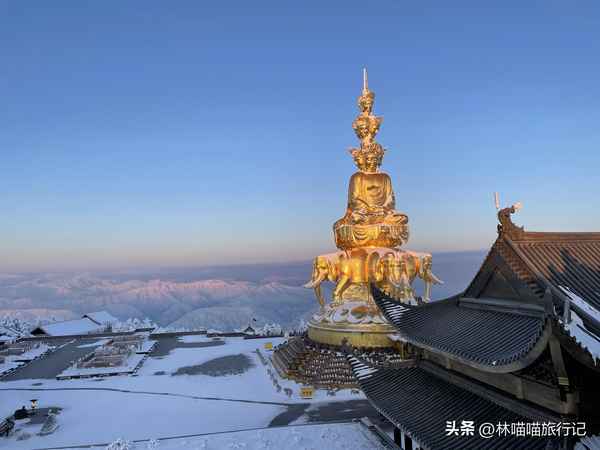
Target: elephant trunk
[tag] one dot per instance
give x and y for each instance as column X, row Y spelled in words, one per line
column 399, row 282
column 319, row 295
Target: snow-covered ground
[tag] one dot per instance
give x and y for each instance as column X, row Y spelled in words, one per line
column 154, row 403
column 194, row 338
column 347, row 436
column 14, row 361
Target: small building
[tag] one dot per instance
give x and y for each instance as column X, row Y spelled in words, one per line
column 249, row 330
column 519, row 348
column 90, row 323
column 7, row 335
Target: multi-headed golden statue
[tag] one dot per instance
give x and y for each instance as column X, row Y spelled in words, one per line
column 369, row 236
column 371, row 218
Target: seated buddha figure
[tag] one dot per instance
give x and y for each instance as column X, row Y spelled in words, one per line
column 370, row 193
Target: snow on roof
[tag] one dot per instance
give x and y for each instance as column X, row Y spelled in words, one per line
column 585, row 306
column 576, row 327
column 4, row 331
column 582, row 335
column 101, row 317
column 71, row 327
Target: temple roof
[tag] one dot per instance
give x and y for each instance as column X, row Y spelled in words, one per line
column 555, row 260
column 488, row 339
column 568, row 264
column 564, row 260
column 531, row 284
column 420, row 401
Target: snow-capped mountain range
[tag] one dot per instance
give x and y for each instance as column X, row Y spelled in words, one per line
column 210, row 303
column 224, row 298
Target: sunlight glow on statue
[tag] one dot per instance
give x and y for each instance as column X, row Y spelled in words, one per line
column 368, row 238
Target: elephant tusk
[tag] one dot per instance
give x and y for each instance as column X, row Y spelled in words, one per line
column 316, row 282
column 401, row 284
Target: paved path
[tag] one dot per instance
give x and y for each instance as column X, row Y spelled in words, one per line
column 326, row 412
column 165, row 345
column 292, row 413
column 168, row 394
column 54, row 363
column 342, row 410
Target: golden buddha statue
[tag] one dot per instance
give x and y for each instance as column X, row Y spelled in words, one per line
column 371, row 218
column 368, row 237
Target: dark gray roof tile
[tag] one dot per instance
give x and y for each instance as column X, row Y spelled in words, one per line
column 420, row 403
column 482, row 336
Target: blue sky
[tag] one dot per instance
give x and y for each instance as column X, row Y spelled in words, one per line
column 182, row 133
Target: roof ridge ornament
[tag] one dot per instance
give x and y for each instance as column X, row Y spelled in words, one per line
column 506, row 227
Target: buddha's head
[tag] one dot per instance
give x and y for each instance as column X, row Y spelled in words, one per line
column 368, row 158
column 365, row 101
column 374, row 157
column 366, row 127
column 362, row 127
column 372, row 162
column 359, row 158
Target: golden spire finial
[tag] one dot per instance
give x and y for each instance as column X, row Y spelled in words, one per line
column 367, row 97
column 366, row 126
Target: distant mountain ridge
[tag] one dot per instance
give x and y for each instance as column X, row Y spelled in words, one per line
column 210, row 303
column 222, row 298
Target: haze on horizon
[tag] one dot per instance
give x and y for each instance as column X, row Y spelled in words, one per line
column 147, row 135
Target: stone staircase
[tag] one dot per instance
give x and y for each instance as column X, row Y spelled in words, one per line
column 306, row 362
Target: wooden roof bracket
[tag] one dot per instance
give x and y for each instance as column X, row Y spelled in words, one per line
column 568, row 397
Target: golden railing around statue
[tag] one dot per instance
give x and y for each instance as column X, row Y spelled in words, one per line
column 369, row 237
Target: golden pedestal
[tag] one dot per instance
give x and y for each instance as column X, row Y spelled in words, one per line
column 360, row 336
column 349, row 236
column 359, row 323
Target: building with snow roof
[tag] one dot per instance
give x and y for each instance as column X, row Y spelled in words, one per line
column 7, row 335
column 90, row 323
column 101, row 318
column 69, row 328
